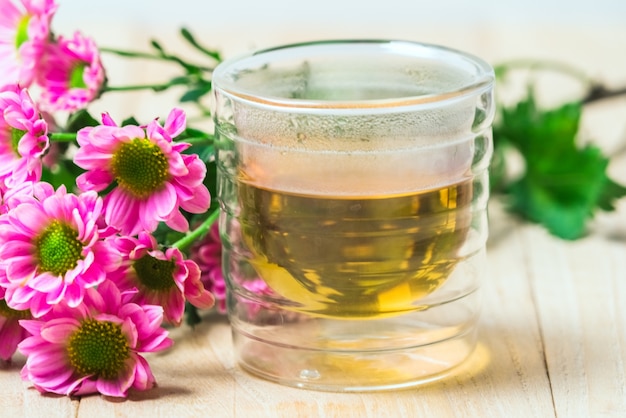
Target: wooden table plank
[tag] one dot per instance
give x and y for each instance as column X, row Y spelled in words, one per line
column 18, row 399
column 580, row 289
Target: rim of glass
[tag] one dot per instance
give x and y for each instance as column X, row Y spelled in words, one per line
column 222, row 79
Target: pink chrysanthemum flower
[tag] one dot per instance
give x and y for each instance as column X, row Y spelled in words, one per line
column 11, row 332
column 52, row 249
column 24, row 32
column 160, row 278
column 94, row 347
column 71, row 74
column 207, row 253
column 154, row 180
column 23, row 137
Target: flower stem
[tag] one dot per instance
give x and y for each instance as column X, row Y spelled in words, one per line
column 157, row 57
column 600, row 92
column 197, row 233
column 199, row 140
column 62, row 136
column 596, row 91
column 134, row 54
column 155, row 87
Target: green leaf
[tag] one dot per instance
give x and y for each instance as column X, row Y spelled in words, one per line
column 181, row 80
column 535, row 132
column 64, row 172
column 194, row 94
column 192, row 133
column 156, row 45
column 192, row 317
column 186, row 34
column 79, row 120
column 130, row 121
column 563, row 184
column 564, row 194
column 611, row 192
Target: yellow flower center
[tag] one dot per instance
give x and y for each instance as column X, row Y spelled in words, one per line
column 58, row 248
column 155, row 274
column 140, row 167
column 22, row 31
column 16, row 136
column 77, row 74
column 98, row 348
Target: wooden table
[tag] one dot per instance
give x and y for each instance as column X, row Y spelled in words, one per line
column 553, row 329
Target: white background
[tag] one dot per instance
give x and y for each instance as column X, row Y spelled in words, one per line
column 497, row 30
column 246, row 24
column 345, row 12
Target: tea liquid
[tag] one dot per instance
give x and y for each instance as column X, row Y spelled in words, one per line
column 351, row 257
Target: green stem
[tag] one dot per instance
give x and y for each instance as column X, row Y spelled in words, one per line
column 599, row 92
column 197, row 233
column 134, row 54
column 62, row 137
column 199, row 140
column 596, row 91
column 155, row 87
column 156, row 57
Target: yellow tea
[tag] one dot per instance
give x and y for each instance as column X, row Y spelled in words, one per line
column 351, row 257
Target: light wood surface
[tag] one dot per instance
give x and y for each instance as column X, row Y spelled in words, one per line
column 552, row 332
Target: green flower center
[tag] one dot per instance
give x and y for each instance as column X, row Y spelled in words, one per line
column 58, row 248
column 76, row 76
column 98, row 348
column 22, row 32
column 12, row 313
column 140, row 167
column 16, row 136
column 155, row 274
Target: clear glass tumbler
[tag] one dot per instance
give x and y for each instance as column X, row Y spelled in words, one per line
column 353, row 182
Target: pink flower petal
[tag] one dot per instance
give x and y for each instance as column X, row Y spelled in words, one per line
column 177, row 222
column 163, row 202
column 107, row 120
column 31, row 326
column 143, row 375
column 97, row 180
column 11, row 334
column 175, row 123
column 58, row 331
column 16, row 296
column 85, row 385
column 199, row 203
column 204, row 300
column 130, row 331
column 30, row 218
column 16, row 248
column 117, row 387
column 120, row 210
column 21, row 269
column 74, row 294
column 57, row 377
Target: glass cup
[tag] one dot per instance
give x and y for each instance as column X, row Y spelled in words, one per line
column 353, row 182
